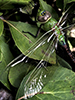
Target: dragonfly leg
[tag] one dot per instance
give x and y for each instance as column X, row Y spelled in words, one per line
column 43, row 64
column 26, row 60
column 38, row 31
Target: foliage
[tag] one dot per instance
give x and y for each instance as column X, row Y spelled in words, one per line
column 60, row 81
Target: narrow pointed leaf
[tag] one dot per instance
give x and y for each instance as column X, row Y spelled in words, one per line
column 1, row 27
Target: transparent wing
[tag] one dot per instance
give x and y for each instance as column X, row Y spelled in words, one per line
column 35, row 82
column 32, row 49
column 37, row 78
column 66, row 15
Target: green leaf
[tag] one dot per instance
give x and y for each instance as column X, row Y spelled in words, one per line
column 24, row 44
column 6, row 57
column 63, row 63
column 36, row 74
column 1, row 13
column 17, row 73
column 47, row 7
column 10, row 4
column 59, row 84
column 1, row 27
column 67, row 2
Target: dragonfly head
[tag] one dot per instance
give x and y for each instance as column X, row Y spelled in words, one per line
column 43, row 16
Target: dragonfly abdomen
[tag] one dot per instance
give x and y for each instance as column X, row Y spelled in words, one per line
column 69, row 53
column 61, row 38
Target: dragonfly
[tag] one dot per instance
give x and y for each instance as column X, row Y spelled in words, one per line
column 54, row 32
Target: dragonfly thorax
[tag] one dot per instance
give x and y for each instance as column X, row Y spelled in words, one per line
column 59, row 34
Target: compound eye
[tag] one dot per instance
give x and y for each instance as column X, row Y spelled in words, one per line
column 43, row 13
column 44, row 16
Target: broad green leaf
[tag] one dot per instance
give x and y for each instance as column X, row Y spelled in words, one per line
column 16, row 77
column 59, row 84
column 36, row 74
column 10, row 4
column 22, row 41
column 6, row 57
column 24, row 44
column 17, row 73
